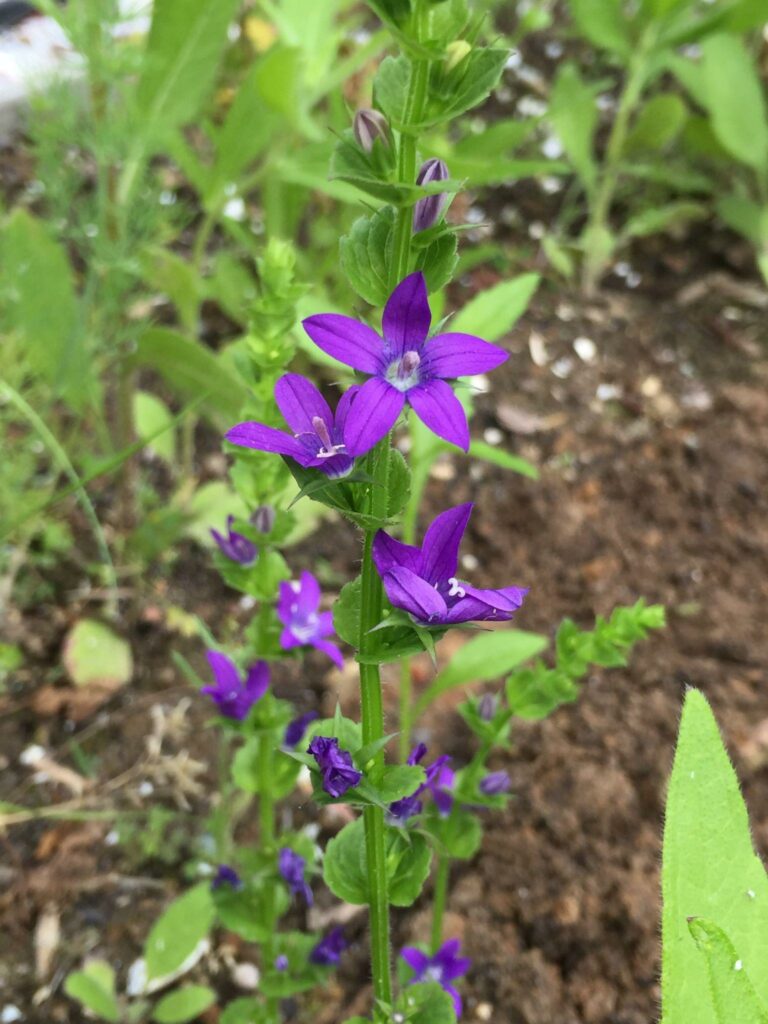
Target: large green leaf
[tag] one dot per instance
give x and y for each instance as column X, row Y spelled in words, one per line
column 603, row 23
column 710, row 870
column 493, row 312
column 659, row 122
column 345, row 869
column 486, row 656
column 735, row 99
column 573, row 114
column 185, row 1004
column 192, row 370
column 176, row 934
column 733, row 996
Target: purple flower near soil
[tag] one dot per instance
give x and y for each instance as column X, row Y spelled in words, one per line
column 235, row 545
column 444, row 967
column 329, row 949
column 294, row 731
column 422, row 581
column 439, row 782
column 403, row 366
column 299, row 611
column 335, row 765
column 428, row 211
column 226, row 875
column 233, row 695
column 291, row 866
column 317, row 441
column 494, row 784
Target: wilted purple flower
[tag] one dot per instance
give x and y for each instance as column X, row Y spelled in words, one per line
column 225, row 875
column 439, row 782
column 233, row 695
column 317, row 441
column 281, row 962
column 368, row 126
column 291, row 866
column 444, row 967
column 422, row 581
column 294, row 731
column 404, row 367
column 335, row 765
column 486, row 707
column 299, row 611
column 235, row 545
column 263, row 518
column 428, row 211
column 494, row 783
column 329, row 949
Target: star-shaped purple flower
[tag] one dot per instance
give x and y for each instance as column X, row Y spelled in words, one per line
column 299, row 611
column 235, row 546
column 329, row 949
column 423, row 582
column 335, row 765
column 404, row 367
column 317, row 441
column 233, row 695
column 291, row 866
column 439, row 782
column 444, row 967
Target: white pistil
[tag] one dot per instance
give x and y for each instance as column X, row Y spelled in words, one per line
column 456, row 589
column 327, row 448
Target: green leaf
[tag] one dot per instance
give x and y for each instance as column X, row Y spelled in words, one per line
column 657, row 124
column 654, row 220
column 245, row 1011
column 95, row 656
column 735, row 99
column 710, row 870
column 494, row 312
column 472, row 81
column 409, row 858
column 398, row 483
column 94, row 987
column 486, row 656
column 365, row 255
column 535, row 692
column 733, row 995
column 346, row 613
column 397, row 781
column 177, row 933
column 191, row 370
column 426, row 1004
column 505, row 459
column 390, row 88
column 603, row 23
column 750, row 219
column 184, row 1004
column 31, row 259
column 155, row 420
column 438, row 261
column 573, row 113
column 245, row 770
column 459, row 834
column 345, row 868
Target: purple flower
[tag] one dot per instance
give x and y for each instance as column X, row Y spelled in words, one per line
column 226, row 875
column 368, row 126
column 335, row 765
column 281, row 962
column 235, row 545
column 329, row 949
column 299, row 611
column 263, row 518
column 291, row 866
column 317, row 440
column 233, row 695
column 403, row 366
column 428, row 211
column 422, row 581
column 494, row 783
column 439, row 782
column 444, row 967
column 294, row 731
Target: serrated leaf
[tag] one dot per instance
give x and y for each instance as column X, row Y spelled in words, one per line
column 493, row 312
column 185, row 1004
column 438, row 261
column 365, row 255
column 176, row 934
column 345, row 867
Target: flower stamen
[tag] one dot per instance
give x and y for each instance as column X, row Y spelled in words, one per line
column 456, row 589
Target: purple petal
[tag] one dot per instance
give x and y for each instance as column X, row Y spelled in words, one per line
column 342, row 409
column 410, row 592
column 459, row 355
column 329, row 648
column 224, row 670
column 481, row 605
column 309, row 594
column 289, row 640
column 267, row 439
column 299, row 401
column 441, row 543
column 406, row 316
column 372, row 415
column 415, row 959
column 347, row 340
column 457, row 1005
column 389, row 553
column 324, row 624
column 443, row 801
column 257, row 681
column 439, row 409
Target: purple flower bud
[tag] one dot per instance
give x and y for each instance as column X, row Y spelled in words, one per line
column 263, row 518
column 428, row 211
column 291, row 866
column 226, row 875
column 281, row 962
column 335, row 765
column 494, row 783
column 368, row 126
column 294, row 732
column 329, row 949
column 486, row 707
column 235, row 546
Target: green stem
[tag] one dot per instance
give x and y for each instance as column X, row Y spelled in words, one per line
column 439, row 900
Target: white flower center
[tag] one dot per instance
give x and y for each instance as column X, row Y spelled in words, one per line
column 403, row 373
column 456, row 590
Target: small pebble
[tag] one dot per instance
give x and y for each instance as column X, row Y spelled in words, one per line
column 10, row 1014
column 585, row 349
column 493, row 436
column 563, row 368
column 246, row 976
column 484, row 1011
column 32, row 755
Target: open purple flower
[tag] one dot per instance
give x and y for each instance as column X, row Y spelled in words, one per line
column 291, row 866
column 439, row 782
column 444, row 967
column 233, row 695
column 403, row 366
column 225, row 875
column 329, row 949
column 294, row 731
column 317, row 441
column 335, row 765
column 494, row 783
column 423, row 582
column 299, row 611
column 235, row 545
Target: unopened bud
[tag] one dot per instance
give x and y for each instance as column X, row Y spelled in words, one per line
column 455, row 53
column 368, row 126
column 428, row 211
column 263, row 518
column 486, row 707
